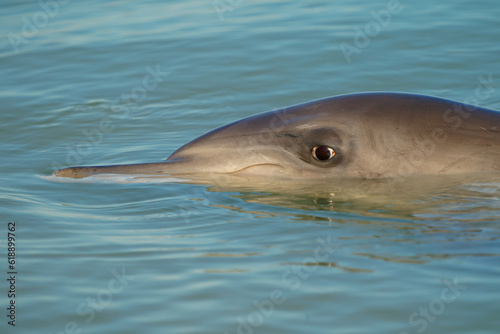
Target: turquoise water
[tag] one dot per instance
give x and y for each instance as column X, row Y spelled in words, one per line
column 125, row 82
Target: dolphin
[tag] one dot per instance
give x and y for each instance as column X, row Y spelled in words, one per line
column 353, row 136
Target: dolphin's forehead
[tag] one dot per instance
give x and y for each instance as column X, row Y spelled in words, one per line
column 287, row 120
column 332, row 111
column 363, row 115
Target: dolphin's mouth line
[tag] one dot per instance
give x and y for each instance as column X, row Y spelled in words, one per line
column 256, row 165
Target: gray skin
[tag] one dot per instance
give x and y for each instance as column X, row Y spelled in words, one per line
column 372, row 135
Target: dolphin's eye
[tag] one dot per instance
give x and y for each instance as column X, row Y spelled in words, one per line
column 322, row 153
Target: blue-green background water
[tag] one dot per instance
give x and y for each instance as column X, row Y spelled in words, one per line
column 90, row 82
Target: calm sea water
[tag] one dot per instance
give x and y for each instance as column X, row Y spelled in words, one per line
column 127, row 81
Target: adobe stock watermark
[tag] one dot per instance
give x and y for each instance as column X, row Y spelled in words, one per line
column 32, row 25
column 421, row 318
column 120, row 108
column 223, row 6
column 364, row 35
column 102, row 299
column 292, row 278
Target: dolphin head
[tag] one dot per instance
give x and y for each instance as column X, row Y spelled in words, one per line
column 295, row 142
column 292, row 142
column 369, row 135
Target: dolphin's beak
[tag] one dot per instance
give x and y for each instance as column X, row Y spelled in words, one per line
column 157, row 168
column 164, row 168
column 235, row 149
